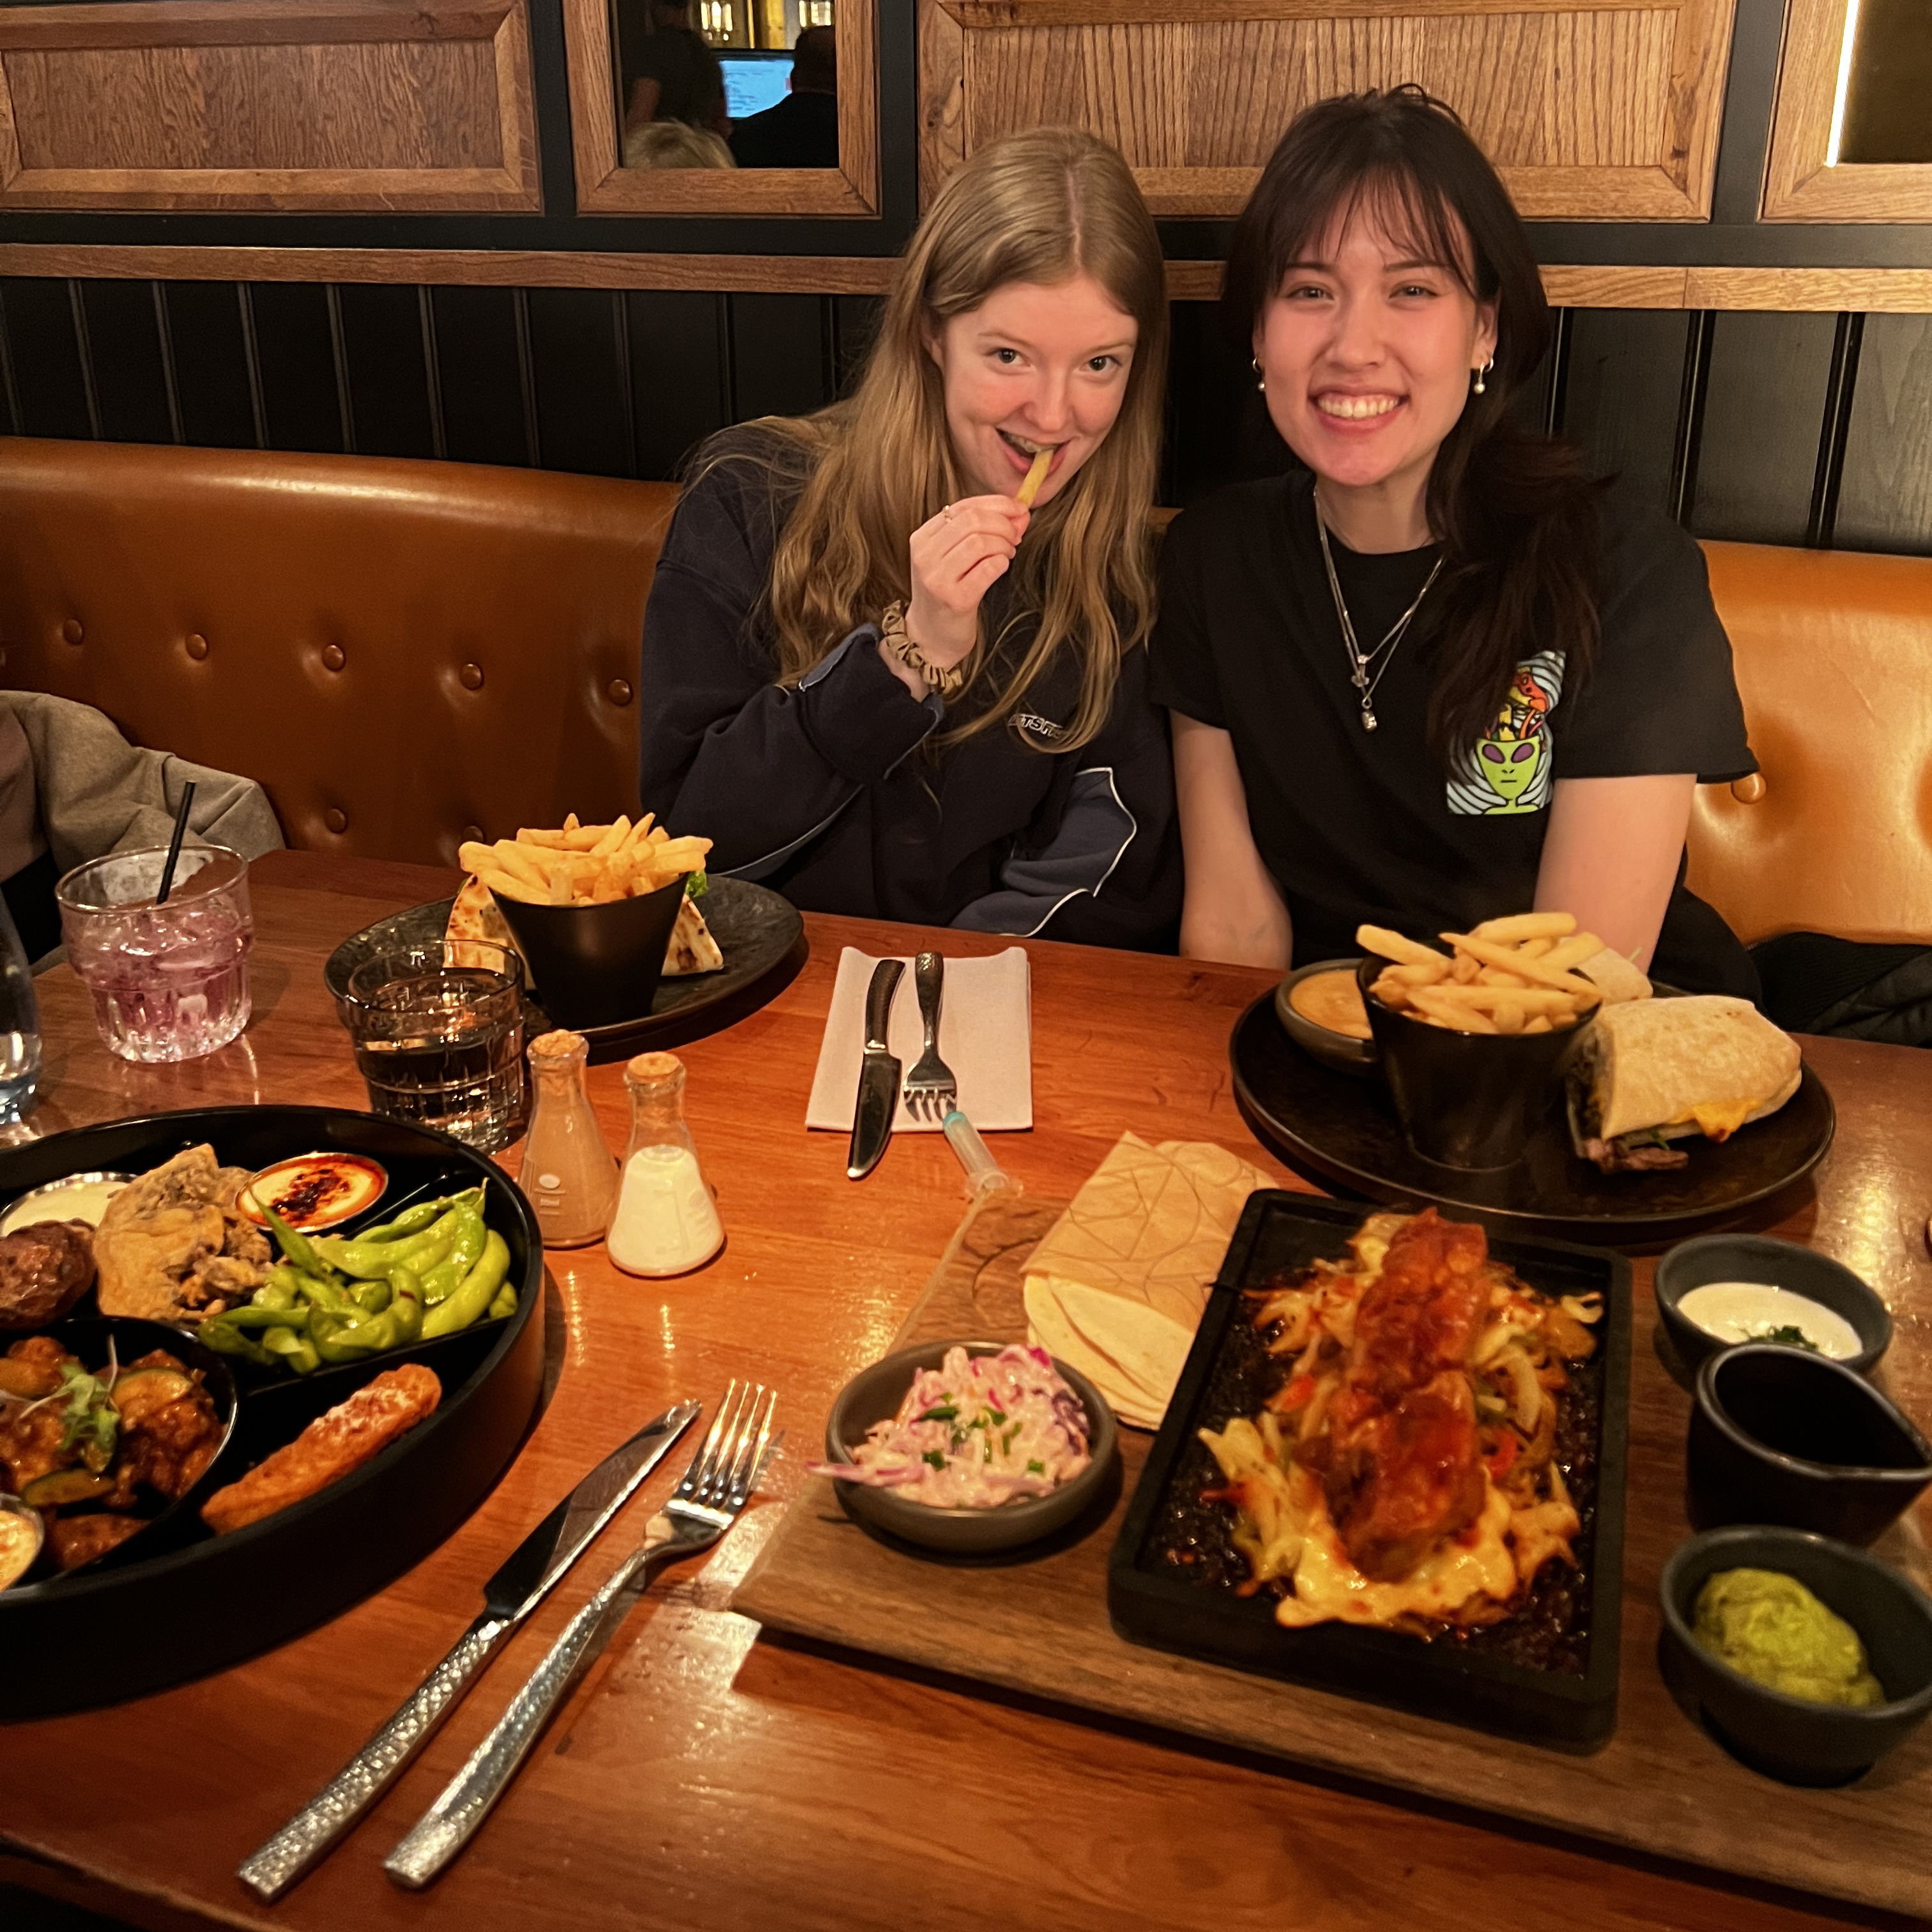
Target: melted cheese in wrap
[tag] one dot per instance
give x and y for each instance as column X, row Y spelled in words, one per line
column 1704, row 1064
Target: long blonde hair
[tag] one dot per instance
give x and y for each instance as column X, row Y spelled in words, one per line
column 1042, row 207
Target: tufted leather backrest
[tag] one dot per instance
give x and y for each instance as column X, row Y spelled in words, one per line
column 1834, row 654
column 402, row 653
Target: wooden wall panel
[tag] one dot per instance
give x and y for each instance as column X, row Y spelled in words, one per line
column 1592, row 109
column 1764, row 402
column 1798, row 185
column 295, row 104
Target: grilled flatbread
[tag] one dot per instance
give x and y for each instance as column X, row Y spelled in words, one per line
column 692, row 948
column 476, row 916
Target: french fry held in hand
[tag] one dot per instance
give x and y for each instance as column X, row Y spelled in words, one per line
column 1506, row 976
column 578, row 865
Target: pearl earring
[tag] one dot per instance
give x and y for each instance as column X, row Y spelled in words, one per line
column 1255, row 365
column 1481, row 373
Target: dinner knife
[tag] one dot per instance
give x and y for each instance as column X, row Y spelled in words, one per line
column 509, row 1597
column 878, row 1075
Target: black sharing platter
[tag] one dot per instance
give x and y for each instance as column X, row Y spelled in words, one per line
column 176, row 1600
column 1545, row 1673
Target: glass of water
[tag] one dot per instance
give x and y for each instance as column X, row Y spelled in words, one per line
column 439, row 1035
column 168, row 981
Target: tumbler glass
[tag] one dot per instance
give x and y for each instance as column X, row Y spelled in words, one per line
column 168, row 981
column 439, row 1035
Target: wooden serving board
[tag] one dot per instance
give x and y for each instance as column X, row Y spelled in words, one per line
column 1038, row 1624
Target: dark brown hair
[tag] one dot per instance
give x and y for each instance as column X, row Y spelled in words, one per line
column 1515, row 511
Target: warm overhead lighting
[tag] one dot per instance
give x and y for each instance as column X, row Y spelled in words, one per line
column 1844, row 83
column 715, row 16
column 814, row 13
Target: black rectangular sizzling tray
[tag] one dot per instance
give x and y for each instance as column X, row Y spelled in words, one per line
column 1153, row 1599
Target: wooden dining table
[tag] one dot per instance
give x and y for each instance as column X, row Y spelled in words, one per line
column 707, row 1774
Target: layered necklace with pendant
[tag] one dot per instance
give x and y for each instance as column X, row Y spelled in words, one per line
column 1366, row 668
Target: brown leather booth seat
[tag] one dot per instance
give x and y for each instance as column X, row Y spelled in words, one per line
column 402, row 653
column 1834, row 654
column 406, row 653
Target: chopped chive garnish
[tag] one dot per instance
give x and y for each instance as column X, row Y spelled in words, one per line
column 933, row 1456
column 1035, row 1468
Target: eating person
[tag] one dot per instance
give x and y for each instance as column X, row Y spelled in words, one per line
column 880, row 673
column 1439, row 673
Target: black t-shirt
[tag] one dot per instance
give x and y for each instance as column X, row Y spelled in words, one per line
column 1358, row 825
column 691, row 82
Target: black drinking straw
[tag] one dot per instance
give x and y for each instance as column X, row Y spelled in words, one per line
column 175, row 843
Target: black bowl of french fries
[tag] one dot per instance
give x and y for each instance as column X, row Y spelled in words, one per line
column 1473, row 1042
column 591, row 909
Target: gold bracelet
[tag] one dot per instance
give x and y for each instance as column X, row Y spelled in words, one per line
column 944, row 679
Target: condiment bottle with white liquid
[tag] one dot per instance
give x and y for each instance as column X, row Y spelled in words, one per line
column 568, row 1172
column 667, row 1222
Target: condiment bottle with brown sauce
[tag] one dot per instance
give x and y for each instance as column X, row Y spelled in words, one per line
column 569, row 1172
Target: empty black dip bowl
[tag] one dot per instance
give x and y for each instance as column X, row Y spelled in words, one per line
column 1787, row 1264
column 594, row 964
column 1793, row 1739
column 1464, row 1100
column 1780, row 1436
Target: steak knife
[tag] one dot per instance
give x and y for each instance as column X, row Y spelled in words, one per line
column 878, row 1075
column 509, row 1597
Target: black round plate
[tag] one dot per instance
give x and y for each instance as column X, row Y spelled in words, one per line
column 106, row 1633
column 1343, row 1129
column 759, row 932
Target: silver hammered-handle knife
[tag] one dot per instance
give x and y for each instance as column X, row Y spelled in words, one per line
column 509, row 1596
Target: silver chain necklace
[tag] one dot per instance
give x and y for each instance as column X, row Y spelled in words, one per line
column 1366, row 668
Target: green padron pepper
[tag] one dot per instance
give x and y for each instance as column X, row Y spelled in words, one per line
column 371, row 1261
column 371, row 1297
column 345, row 1338
column 296, row 1248
column 443, row 1277
column 505, row 1305
column 411, row 1221
column 407, row 1305
column 217, row 1333
column 263, row 1315
column 468, row 1302
column 297, row 1352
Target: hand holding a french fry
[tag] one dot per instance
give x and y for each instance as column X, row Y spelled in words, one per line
column 583, row 865
column 1506, row 976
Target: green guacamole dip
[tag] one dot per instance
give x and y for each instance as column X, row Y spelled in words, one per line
column 1769, row 1628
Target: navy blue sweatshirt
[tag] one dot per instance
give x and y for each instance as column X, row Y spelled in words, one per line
column 832, row 793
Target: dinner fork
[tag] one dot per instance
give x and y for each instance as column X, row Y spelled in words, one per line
column 930, row 1088
column 704, row 1505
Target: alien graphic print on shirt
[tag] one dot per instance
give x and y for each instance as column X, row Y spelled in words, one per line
column 1509, row 770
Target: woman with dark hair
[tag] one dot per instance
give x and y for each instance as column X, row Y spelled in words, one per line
column 1441, row 674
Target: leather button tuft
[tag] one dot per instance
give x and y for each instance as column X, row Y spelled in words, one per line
column 473, row 835
column 197, row 645
column 472, row 675
column 72, row 631
column 1749, row 789
column 336, row 819
column 333, row 657
column 618, row 692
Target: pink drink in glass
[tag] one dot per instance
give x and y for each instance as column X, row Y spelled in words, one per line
column 168, row 981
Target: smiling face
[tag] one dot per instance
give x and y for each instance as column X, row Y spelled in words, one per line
column 1367, row 351
column 1032, row 367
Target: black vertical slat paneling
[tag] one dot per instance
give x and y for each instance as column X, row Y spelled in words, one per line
column 1689, row 416
column 1884, row 496
column 526, row 376
column 620, row 348
column 579, row 389
column 11, row 388
column 388, row 384
column 1840, row 386
column 338, row 349
column 480, row 373
column 677, row 389
column 432, row 372
column 211, row 362
column 124, row 343
column 1623, row 395
column 855, row 324
column 164, row 334
column 46, row 358
column 79, row 312
column 1764, row 399
column 1556, row 371
column 1529, row 407
column 295, row 349
column 778, row 355
column 251, row 362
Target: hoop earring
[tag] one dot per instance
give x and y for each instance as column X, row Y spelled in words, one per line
column 1254, row 363
column 1481, row 387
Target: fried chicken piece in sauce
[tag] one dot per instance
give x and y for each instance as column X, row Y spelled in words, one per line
column 1402, row 1463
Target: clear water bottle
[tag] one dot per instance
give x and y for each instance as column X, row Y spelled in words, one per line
column 19, row 1027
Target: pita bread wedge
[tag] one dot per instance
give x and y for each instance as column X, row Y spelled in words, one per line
column 692, row 948
column 475, row 916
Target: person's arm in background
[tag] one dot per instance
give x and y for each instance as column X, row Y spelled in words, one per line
column 1232, row 911
column 1611, row 854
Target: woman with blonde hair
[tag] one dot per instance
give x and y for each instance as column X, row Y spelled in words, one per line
column 880, row 674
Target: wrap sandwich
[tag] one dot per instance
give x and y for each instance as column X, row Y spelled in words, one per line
column 1649, row 1072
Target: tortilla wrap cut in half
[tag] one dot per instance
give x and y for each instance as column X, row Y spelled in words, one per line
column 1705, row 1063
column 1132, row 1353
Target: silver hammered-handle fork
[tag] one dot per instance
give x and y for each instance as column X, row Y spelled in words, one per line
column 704, row 1505
column 930, row 1091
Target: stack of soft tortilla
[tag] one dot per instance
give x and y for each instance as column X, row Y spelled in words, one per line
column 1116, row 1288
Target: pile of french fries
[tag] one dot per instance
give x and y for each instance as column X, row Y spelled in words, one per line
column 1510, row 975
column 583, row 865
